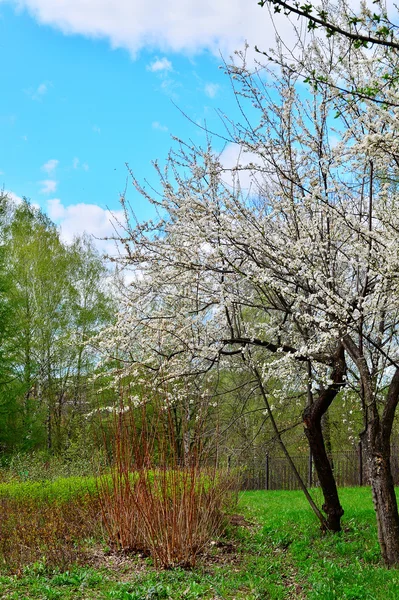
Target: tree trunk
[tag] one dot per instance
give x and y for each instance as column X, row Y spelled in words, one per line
column 377, row 443
column 297, row 475
column 383, row 490
column 326, row 429
column 332, row 506
column 312, row 418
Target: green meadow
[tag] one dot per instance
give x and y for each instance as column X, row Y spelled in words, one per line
column 272, row 548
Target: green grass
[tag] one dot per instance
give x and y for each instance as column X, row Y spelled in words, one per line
column 61, row 489
column 282, row 556
column 346, row 565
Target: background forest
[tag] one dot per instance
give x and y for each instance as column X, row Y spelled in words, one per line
column 54, row 298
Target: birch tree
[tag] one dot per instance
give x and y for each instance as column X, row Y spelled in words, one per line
column 57, row 298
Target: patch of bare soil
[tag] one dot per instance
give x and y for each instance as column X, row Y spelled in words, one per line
column 220, row 553
column 121, row 563
column 240, row 521
column 223, row 551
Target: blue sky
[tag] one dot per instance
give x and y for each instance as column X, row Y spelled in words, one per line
column 88, row 86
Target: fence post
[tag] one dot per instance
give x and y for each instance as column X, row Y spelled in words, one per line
column 310, row 480
column 360, row 463
column 229, row 462
column 267, row 471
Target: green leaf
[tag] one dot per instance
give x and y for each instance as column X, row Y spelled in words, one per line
column 306, row 8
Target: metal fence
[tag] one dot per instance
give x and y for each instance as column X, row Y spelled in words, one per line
column 274, row 472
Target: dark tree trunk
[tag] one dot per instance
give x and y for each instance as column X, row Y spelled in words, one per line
column 377, row 444
column 332, row 506
column 326, row 429
column 383, row 490
column 295, row 471
column 312, row 418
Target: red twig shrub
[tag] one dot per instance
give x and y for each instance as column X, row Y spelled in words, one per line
column 156, row 501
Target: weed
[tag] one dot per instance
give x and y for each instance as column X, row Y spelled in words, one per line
column 62, row 489
column 45, row 534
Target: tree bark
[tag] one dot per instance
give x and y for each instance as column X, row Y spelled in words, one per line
column 312, row 418
column 386, row 507
column 332, row 506
column 326, row 429
column 377, row 443
column 302, row 485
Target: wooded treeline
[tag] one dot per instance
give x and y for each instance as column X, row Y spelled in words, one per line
column 54, row 298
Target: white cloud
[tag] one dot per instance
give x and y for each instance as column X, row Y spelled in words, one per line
column 50, row 166
column 169, row 87
column 75, row 219
column 39, row 92
column 42, row 89
column 13, row 197
column 96, row 129
column 160, row 64
column 49, row 186
column 157, row 125
column 76, row 164
column 211, row 89
column 168, row 25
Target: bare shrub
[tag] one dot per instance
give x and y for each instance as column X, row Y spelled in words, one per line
column 156, row 500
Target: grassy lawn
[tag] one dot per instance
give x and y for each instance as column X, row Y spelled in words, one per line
column 276, row 552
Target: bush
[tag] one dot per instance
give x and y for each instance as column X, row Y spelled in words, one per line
column 170, row 514
column 154, row 504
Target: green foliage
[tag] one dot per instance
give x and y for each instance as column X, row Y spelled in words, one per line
column 8, row 400
column 80, row 458
column 60, row 490
column 53, row 299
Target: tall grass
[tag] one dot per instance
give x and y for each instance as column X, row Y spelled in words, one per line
column 159, row 500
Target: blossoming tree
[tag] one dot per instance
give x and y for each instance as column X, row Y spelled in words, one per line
column 297, row 275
